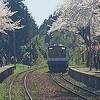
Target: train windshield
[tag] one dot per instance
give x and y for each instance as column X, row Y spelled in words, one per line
column 57, row 52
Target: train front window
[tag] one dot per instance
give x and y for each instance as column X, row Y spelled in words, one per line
column 57, row 52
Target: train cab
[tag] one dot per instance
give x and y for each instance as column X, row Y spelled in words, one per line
column 57, row 58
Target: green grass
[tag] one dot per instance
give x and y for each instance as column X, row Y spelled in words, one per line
column 3, row 92
column 80, row 65
column 4, row 86
column 43, row 69
column 19, row 68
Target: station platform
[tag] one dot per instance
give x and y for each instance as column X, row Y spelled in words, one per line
column 85, row 70
column 89, row 78
column 5, row 68
column 6, row 71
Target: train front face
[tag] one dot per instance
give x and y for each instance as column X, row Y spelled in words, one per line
column 57, row 59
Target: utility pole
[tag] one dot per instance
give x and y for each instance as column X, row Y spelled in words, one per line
column 31, row 58
column 14, row 47
column 90, row 49
column 8, row 49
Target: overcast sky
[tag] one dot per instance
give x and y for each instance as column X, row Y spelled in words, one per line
column 41, row 9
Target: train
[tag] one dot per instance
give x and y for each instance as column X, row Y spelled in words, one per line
column 57, row 57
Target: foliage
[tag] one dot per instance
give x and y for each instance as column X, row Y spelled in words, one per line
column 76, row 14
column 28, row 54
column 20, row 37
column 30, row 29
column 39, row 44
column 43, row 29
column 6, row 23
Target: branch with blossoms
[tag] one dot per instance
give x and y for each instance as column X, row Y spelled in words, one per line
column 76, row 14
column 6, row 23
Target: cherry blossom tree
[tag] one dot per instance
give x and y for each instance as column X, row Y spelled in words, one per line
column 6, row 23
column 77, row 14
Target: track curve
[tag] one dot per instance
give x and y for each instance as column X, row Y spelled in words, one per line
column 77, row 90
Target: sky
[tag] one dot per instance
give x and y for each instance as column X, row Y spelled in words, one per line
column 41, row 9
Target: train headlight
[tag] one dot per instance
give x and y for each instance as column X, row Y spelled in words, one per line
column 50, row 48
column 63, row 48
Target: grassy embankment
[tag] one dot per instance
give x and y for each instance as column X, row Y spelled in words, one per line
column 4, row 86
column 19, row 68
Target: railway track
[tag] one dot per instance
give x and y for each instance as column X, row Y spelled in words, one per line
column 14, row 80
column 90, row 90
column 73, row 88
column 26, row 88
column 25, row 77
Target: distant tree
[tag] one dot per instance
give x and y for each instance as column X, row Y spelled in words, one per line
column 43, row 29
column 22, row 36
column 7, row 24
column 76, row 15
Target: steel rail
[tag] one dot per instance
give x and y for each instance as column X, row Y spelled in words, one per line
column 25, row 83
column 25, row 86
column 12, row 82
column 66, row 88
column 85, row 89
